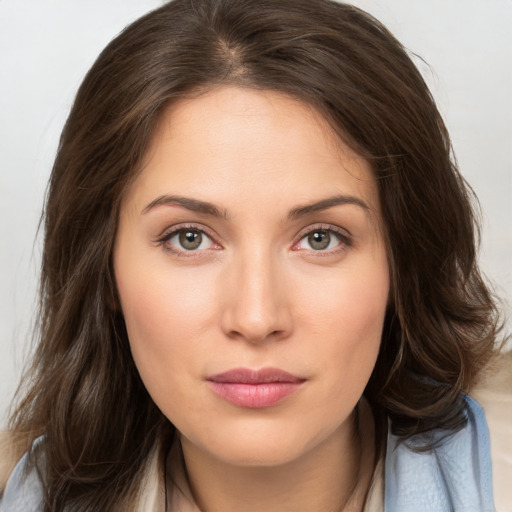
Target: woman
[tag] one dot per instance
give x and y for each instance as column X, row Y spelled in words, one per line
column 259, row 286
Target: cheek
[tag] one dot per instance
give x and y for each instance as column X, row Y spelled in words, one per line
column 364, row 306
column 347, row 316
column 165, row 313
column 350, row 304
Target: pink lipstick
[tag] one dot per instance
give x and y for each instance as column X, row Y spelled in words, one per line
column 254, row 388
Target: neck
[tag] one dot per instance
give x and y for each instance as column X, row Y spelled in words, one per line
column 334, row 476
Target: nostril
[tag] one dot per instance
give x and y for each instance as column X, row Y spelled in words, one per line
column 256, row 336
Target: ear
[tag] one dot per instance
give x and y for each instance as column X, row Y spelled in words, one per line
column 113, row 302
column 112, row 299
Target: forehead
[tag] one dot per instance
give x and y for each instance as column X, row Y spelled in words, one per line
column 236, row 146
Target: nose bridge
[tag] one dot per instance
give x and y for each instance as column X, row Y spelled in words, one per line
column 256, row 308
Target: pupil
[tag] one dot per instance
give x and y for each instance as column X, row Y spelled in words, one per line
column 319, row 240
column 190, row 240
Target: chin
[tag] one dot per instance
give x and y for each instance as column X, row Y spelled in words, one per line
column 263, row 444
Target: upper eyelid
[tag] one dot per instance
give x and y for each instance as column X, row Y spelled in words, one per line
column 323, row 226
column 169, row 231
column 344, row 236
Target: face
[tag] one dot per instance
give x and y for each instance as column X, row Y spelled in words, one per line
column 252, row 275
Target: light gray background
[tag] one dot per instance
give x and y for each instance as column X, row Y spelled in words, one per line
column 46, row 46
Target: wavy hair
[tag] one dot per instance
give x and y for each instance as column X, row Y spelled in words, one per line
column 82, row 391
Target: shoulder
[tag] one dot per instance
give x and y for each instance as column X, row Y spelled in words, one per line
column 454, row 474
column 21, row 489
column 494, row 394
column 470, row 470
column 467, row 468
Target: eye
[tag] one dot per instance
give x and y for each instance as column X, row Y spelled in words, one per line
column 322, row 239
column 187, row 239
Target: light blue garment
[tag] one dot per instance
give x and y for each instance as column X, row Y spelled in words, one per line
column 23, row 492
column 455, row 477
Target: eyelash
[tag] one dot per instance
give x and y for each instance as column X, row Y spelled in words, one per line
column 345, row 240
column 344, row 237
column 175, row 230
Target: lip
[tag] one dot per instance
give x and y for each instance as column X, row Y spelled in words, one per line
column 254, row 389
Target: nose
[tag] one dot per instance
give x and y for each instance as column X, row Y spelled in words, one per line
column 256, row 303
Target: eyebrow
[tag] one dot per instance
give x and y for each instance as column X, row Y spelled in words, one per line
column 194, row 205
column 325, row 204
column 207, row 208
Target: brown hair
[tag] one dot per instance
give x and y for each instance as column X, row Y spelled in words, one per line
column 83, row 390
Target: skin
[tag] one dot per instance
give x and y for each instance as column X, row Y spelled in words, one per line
column 256, row 294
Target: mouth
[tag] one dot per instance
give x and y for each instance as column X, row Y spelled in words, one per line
column 254, row 388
